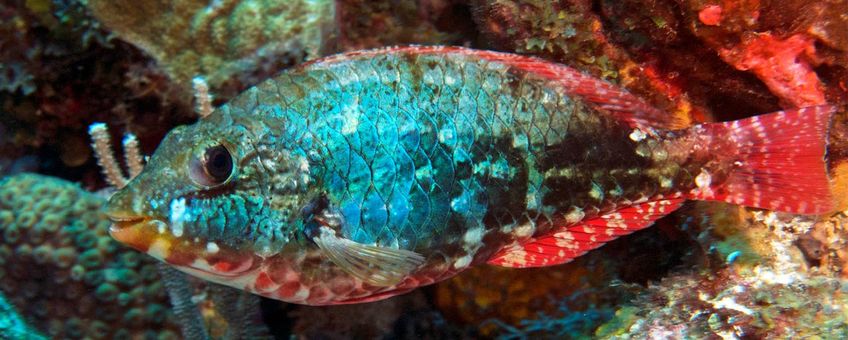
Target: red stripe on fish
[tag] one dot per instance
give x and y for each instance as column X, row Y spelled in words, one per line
column 780, row 162
column 564, row 244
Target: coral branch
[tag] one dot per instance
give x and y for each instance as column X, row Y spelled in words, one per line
column 132, row 155
column 102, row 145
column 202, row 97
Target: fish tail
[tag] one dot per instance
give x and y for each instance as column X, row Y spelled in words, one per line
column 779, row 163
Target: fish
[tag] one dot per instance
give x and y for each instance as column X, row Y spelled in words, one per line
column 365, row 175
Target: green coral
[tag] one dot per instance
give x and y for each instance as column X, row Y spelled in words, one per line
column 65, row 274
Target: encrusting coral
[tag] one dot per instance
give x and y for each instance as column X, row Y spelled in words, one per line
column 573, row 33
column 224, row 41
column 776, row 276
column 65, row 274
column 698, row 59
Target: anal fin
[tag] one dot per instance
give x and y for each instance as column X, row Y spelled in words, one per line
column 564, row 244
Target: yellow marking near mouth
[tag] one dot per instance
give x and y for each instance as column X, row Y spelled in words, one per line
column 160, row 248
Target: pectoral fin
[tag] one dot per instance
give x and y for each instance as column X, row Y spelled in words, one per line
column 379, row 266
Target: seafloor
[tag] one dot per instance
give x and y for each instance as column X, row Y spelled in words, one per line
column 708, row 270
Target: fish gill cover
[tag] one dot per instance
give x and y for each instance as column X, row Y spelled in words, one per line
column 707, row 270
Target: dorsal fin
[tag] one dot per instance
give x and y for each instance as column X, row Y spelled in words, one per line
column 561, row 246
column 598, row 93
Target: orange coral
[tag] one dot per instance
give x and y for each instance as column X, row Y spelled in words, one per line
column 784, row 65
column 710, row 15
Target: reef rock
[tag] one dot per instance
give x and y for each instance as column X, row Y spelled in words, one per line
column 226, row 42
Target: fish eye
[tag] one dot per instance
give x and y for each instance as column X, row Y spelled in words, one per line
column 214, row 167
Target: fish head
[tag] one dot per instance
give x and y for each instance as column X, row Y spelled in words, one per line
column 201, row 203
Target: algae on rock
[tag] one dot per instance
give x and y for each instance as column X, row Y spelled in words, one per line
column 222, row 41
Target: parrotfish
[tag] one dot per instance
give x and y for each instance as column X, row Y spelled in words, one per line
column 364, row 175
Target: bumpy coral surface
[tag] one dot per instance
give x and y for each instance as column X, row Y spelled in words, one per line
column 65, row 275
column 222, row 41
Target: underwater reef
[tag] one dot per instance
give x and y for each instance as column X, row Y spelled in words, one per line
column 782, row 277
column 709, row 270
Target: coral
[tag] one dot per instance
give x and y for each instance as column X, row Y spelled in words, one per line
column 701, row 60
column 226, row 42
column 825, row 246
column 64, row 273
column 14, row 77
column 748, row 238
column 560, row 30
column 730, row 304
column 370, row 24
column 19, row 44
column 781, row 64
column 73, row 73
column 796, row 48
column 570, row 32
column 771, row 275
column 837, row 151
column 512, row 296
column 564, row 323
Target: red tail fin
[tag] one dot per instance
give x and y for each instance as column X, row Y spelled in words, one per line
column 781, row 162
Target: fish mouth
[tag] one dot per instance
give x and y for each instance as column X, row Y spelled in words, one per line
column 132, row 229
column 150, row 235
column 123, row 221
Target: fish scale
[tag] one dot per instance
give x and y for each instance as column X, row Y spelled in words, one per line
column 445, row 100
column 372, row 173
